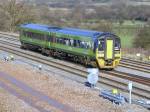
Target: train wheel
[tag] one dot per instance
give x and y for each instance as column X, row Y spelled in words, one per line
column 23, row 46
column 43, row 51
column 51, row 53
column 110, row 69
column 86, row 63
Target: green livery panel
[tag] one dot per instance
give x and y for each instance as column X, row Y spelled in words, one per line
column 85, row 46
column 46, row 44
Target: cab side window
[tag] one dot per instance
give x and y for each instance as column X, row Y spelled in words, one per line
column 117, row 44
column 101, row 45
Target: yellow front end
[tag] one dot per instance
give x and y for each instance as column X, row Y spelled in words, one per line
column 108, row 58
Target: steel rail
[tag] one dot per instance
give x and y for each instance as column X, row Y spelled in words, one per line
column 19, row 46
column 72, row 70
column 125, row 62
column 135, row 67
column 136, row 61
column 141, row 63
column 132, row 77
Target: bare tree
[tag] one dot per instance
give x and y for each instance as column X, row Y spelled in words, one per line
column 15, row 13
column 78, row 13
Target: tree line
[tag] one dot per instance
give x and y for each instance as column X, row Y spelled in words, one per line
column 14, row 13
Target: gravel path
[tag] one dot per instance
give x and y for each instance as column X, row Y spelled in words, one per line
column 77, row 96
column 29, row 94
column 7, row 103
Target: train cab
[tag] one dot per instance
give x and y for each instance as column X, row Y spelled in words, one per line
column 108, row 52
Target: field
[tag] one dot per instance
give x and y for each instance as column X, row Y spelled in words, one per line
column 127, row 31
column 126, row 37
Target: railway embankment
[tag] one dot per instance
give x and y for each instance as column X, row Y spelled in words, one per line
column 64, row 90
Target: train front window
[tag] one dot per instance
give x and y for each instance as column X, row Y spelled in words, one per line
column 117, row 44
column 101, row 44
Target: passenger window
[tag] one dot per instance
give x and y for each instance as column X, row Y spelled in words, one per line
column 67, row 42
column 101, row 45
column 72, row 42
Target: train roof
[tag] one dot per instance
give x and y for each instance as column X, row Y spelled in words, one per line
column 69, row 31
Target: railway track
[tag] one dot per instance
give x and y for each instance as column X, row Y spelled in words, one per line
column 125, row 62
column 135, row 66
column 136, row 78
column 136, row 61
column 132, row 77
column 77, row 70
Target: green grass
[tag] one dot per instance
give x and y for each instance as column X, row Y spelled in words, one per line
column 129, row 23
column 126, row 40
column 127, row 32
column 127, row 35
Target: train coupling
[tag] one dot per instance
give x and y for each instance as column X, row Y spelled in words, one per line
column 109, row 62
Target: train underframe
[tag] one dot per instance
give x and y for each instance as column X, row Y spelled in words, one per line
column 84, row 60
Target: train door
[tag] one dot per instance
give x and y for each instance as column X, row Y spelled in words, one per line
column 109, row 49
column 109, row 52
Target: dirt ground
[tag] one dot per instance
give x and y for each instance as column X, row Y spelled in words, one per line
column 77, row 96
column 9, row 103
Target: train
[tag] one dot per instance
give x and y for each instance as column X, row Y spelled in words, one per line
column 87, row 47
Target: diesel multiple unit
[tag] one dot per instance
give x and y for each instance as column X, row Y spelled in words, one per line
column 88, row 47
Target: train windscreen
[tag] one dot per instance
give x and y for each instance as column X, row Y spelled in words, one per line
column 117, row 44
column 101, row 45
